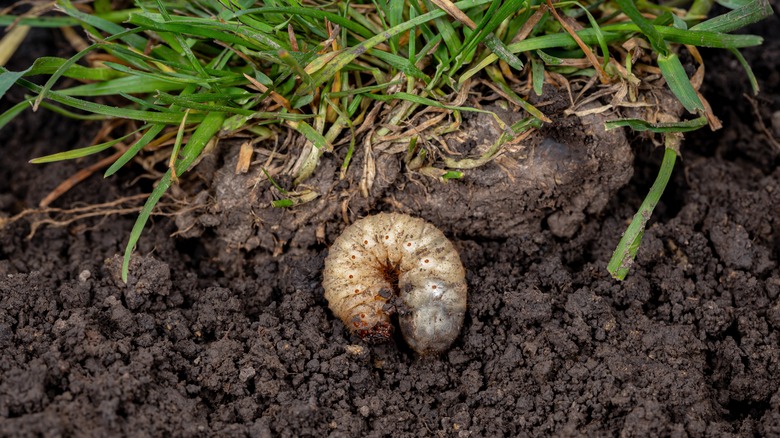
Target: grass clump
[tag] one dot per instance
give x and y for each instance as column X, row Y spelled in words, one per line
column 185, row 74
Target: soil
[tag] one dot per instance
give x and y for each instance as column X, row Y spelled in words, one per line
column 688, row 345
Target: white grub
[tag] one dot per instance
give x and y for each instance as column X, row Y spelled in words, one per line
column 394, row 263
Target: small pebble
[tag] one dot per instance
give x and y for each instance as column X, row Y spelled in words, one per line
column 84, row 275
column 246, row 373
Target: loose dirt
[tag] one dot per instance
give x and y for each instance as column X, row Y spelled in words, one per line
column 689, row 344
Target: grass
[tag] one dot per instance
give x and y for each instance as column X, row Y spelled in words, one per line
column 188, row 73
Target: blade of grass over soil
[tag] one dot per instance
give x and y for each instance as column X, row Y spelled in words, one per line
column 624, row 254
column 199, row 139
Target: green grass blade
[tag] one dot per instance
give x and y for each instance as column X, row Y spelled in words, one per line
column 363, row 90
column 282, row 203
column 184, row 47
column 537, row 70
column 395, row 17
column 143, row 217
column 69, row 63
column 750, row 13
column 8, row 78
column 699, row 9
column 349, row 55
column 59, row 72
column 699, row 38
column 148, row 136
column 49, row 65
column 731, row 4
column 674, row 73
column 209, row 127
column 136, row 41
column 106, row 110
column 354, row 26
column 400, row 63
column 312, row 135
column 80, row 152
column 146, row 105
column 484, row 33
column 230, row 34
column 498, row 79
column 445, row 28
column 624, row 254
column 186, row 102
column 549, row 59
column 70, row 114
column 599, row 34
column 177, row 77
column 749, row 71
column 127, row 84
column 560, row 40
column 424, row 101
column 50, row 21
column 629, row 8
column 503, row 53
column 7, row 20
column 644, row 125
column 14, row 111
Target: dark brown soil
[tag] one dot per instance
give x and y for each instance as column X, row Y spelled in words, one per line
column 688, row 345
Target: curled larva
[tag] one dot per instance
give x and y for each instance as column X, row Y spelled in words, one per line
column 395, row 264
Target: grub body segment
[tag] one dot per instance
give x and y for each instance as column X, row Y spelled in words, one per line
column 393, row 263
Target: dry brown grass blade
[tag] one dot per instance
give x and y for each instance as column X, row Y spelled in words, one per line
column 696, row 80
column 74, row 39
column 38, row 8
column 370, row 120
column 496, row 89
column 97, row 58
column 588, row 53
column 244, row 157
column 450, row 8
column 176, row 145
column 713, row 120
column 369, row 167
column 293, row 39
column 529, row 25
column 276, row 97
column 235, row 51
column 11, row 42
column 522, row 137
column 507, row 72
column 333, row 33
column 416, row 130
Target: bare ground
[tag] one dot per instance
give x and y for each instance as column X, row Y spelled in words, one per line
column 688, row 345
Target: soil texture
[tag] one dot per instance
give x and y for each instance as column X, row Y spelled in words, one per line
column 688, row 345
